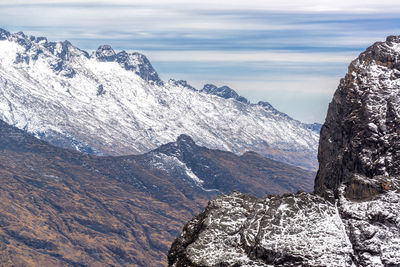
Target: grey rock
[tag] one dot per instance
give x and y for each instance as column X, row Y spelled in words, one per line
column 182, row 83
column 351, row 218
column 139, row 64
column 100, row 90
column 224, row 92
column 4, row 34
column 241, row 230
column 361, row 132
column 105, row 54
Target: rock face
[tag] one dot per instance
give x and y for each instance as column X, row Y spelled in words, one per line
column 359, row 153
column 360, row 140
column 62, row 207
column 241, row 230
column 114, row 103
column 351, row 218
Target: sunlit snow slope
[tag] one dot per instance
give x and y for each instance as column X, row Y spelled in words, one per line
column 115, row 104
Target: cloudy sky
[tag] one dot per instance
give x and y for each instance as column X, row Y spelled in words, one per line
column 289, row 53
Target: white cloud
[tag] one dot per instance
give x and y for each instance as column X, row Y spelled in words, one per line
column 354, row 6
column 322, row 85
column 251, row 56
column 304, row 98
column 200, row 20
column 228, row 33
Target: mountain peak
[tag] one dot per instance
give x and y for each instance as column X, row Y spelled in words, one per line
column 186, row 140
column 224, row 92
column 181, row 83
column 105, row 53
column 183, row 144
column 135, row 62
column 381, row 53
column 393, row 39
column 269, row 107
column 4, row 34
column 139, row 64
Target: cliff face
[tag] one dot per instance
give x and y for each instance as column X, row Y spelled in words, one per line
column 359, row 154
column 360, row 140
column 352, row 218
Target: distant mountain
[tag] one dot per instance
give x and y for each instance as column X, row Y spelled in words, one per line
column 353, row 216
column 223, row 172
column 62, row 207
column 224, row 92
column 316, row 127
column 114, row 103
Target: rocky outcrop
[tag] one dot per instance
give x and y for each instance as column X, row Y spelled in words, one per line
column 224, row 92
column 359, row 154
column 360, row 140
column 351, row 218
column 181, row 83
column 135, row 62
column 241, row 230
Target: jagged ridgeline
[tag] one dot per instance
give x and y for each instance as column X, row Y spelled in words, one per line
column 351, row 219
column 114, row 103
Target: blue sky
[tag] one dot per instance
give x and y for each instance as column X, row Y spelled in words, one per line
column 289, row 53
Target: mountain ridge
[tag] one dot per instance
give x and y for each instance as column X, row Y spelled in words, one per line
column 85, row 94
column 63, row 207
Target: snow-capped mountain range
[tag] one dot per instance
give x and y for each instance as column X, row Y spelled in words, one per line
column 110, row 103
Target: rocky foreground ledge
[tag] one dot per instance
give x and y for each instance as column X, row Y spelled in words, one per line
column 243, row 230
column 298, row 229
column 353, row 216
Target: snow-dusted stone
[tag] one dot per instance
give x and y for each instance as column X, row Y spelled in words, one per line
column 353, row 216
column 224, row 92
column 359, row 154
column 241, row 230
column 361, row 134
column 373, row 226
